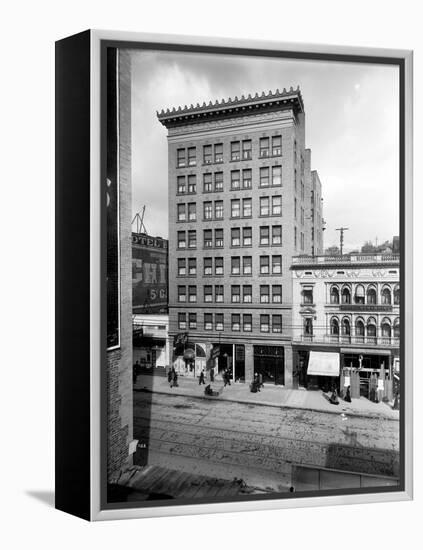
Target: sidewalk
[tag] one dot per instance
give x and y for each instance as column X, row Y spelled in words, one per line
column 270, row 395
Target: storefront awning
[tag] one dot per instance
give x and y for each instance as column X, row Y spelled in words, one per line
column 323, row 363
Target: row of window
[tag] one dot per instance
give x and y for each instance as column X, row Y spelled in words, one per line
column 361, row 329
column 239, row 264
column 240, row 208
column 239, row 150
column 364, row 297
column 268, row 323
column 269, row 235
column 268, row 294
column 269, row 176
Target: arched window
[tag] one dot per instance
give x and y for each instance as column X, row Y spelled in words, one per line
column 371, row 330
column 359, row 294
column 386, row 331
column 397, row 328
column 334, row 327
column 346, row 328
column 359, row 330
column 346, row 296
column 334, row 295
column 371, row 295
column 308, row 327
column 397, row 295
column 386, row 296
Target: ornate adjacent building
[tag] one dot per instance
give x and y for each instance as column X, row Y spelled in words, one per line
column 242, row 202
column 349, row 306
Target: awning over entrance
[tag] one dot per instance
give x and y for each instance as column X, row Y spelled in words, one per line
column 323, row 363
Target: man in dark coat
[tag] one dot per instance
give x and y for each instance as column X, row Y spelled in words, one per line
column 201, row 381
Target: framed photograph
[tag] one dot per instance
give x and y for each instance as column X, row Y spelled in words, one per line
column 234, row 275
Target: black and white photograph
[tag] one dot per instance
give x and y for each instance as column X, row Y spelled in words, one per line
column 253, row 277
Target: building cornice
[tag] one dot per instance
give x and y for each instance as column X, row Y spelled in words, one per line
column 291, row 99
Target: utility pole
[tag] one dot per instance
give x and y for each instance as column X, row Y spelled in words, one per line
column 341, row 237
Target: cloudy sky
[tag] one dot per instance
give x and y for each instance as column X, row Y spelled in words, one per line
column 352, row 121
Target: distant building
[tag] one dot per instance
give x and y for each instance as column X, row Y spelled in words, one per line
column 346, row 315
column 242, row 202
column 149, row 274
column 151, row 342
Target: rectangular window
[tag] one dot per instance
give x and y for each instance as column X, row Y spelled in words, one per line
column 192, row 294
column 276, row 265
column 235, row 150
column 218, row 152
column 208, row 321
column 181, row 181
column 247, row 294
column 235, row 265
column 235, row 177
column 208, row 266
column 302, row 241
column 277, row 294
column 235, row 208
column 235, row 294
column 247, row 322
column 182, row 270
column 264, row 294
column 208, row 293
column 247, row 208
column 182, row 321
column 207, row 154
column 276, row 205
column 218, row 266
column 192, row 266
column 218, row 293
column 264, row 206
column 192, row 211
column 192, row 319
column 295, row 208
column 247, row 236
column 236, row 322
column 218, row 210
column 264, row 147
column 218, row 238
column 276, row 234
column 235, row 236
column 307, row 296
column 247, row 265
column 182, row 294
column 192, row 183
column 264, row 265
column 264, row 323
column 218, row 321
column 276, row 145
column 208, row 210
column 192, row 160
column 218, row 181
column 276, row 175
column 208, row 238
column 207, row 182
column 247, row 178
column 181, row 213
column 180, row 158
column 192, row 239
column 277, row 323
column 264, row 235
column 295, row 237
column 246, row 149
column 182, row 242
column 264, row 176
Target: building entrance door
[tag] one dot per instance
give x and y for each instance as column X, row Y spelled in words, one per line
column 269, row 362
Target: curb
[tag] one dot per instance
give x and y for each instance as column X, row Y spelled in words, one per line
column 263, row 403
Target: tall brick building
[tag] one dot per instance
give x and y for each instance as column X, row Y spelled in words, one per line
column 242, row 203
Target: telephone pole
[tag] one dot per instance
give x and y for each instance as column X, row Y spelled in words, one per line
column 341, row 237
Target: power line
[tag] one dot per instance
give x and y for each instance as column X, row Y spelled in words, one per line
column 341, row 237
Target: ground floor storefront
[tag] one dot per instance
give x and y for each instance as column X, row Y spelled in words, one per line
column 368, row 372
column 271, row 362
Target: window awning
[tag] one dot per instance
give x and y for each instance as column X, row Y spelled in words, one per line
column 323, row 363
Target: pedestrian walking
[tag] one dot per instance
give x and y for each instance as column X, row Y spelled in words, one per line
column 175, row 379
column 226, row 379
column 334, row 397
column 212, row 374
column 348, row 395
column 201, row 381
column 260, row 380
column 170, row 375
